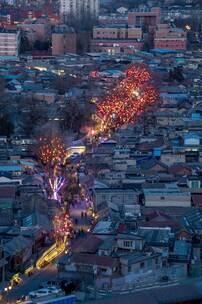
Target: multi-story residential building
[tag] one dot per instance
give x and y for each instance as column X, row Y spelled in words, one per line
column 63, row 40
column 115, row 31
column 9, row 42
column 114, row 38
column 170, row 38
column 39, row 29
column 145, row 17
column 79, row 8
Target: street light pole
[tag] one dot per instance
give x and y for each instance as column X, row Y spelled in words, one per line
column 94, row 279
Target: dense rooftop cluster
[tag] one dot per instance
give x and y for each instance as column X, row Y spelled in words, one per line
column 100, row 152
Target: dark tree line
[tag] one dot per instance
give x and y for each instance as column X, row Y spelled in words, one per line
column 38, row 45
column 75, row 115
column 6, row 126
column 176, row 74
column 63, row 83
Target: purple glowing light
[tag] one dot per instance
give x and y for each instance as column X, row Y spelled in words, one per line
column 56, row 183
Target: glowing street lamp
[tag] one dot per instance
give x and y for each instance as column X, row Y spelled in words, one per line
column 188, row 27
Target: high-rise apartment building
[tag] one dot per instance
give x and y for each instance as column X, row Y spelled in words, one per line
column 79, row 9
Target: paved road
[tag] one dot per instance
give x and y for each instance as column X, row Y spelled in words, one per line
column 31, row 283
column 186, row 282
column 75, row 213
column 49, row 272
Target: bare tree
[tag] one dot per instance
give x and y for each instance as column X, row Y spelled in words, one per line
column 74, row 116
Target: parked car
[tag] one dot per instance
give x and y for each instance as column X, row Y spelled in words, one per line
column 39, row 293
column 54, row 289
column 42, row 292
column 32, row 294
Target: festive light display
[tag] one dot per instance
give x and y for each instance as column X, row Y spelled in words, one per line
column 62, row 226
column 56, row 184
column 129, row 99
column 51, row 151
column 139, row 72
column 52, row 155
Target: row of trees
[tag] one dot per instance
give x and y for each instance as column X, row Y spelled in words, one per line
column 21, row 113
column 38, row 45
column 27, row 115
column 75, row 115
column 31, row 119
column 6, row 125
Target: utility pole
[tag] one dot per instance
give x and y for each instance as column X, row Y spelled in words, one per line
column 94, row 279
column 3, row 268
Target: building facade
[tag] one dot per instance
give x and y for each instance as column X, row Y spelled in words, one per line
column 63, row 40
column 170, row 38
column 36, row 29
column 115, row 38
column 79, row 8
column 166, row 196
column 147, row 18
column 9, row 42
column 116, row 32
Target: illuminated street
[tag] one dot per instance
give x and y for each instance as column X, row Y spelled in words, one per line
column 76, row 212
column 31, row 283
column 50, row 255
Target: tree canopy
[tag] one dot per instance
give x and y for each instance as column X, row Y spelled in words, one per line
column 6, row 126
